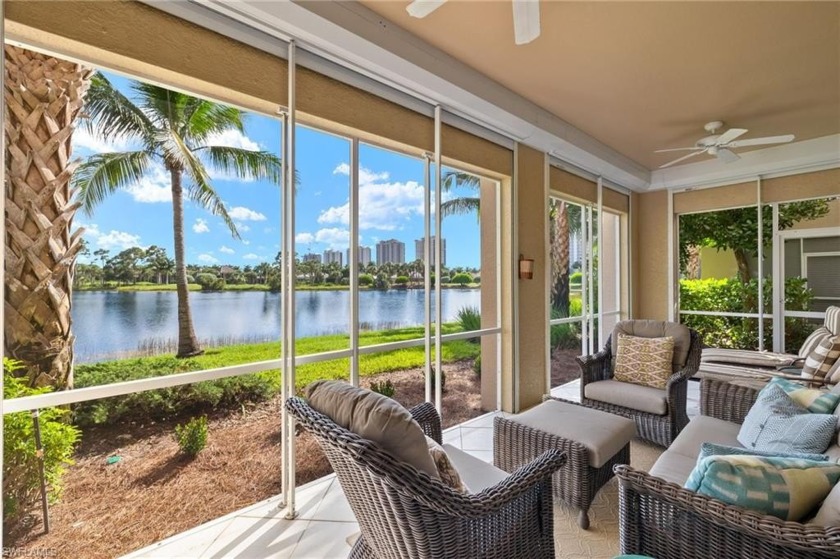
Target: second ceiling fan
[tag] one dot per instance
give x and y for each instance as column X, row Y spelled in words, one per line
column 526, row 16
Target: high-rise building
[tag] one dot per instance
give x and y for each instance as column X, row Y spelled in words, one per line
column 419, row 249
column 392, row 251
column 310, row 257
column 333, row 256
column 364, row 255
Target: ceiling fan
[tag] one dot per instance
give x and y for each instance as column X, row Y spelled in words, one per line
column 526, row 16
column 720, row 145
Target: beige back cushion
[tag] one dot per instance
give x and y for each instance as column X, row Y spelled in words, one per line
column 374, row 417
column 832, row 320
column 656, row 329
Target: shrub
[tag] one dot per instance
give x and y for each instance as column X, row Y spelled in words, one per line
column 566, row 336
column 462, row 278
column 21, row 464
column 192, row 436
column 731, row 295
column 385, row 387
column 401, row 280
column 209, row 282
column 365, row 279
column 476, row 279
column 164, row 402
column 470, row 319
column 444, row 280
column 442, row 379
column 382, row 281
column 576, row 278
column 477, row 366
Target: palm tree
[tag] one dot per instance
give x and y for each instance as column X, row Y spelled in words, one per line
column 43, row 97
column 462, row 204
column 565, row 220
column 172, row 129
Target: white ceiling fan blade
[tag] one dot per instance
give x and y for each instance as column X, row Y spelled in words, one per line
column 730, row 135
column 422, row 8
column 683, row 158
column 727, row 155
column 678, row 149
column 526, row 20
column 763, row 141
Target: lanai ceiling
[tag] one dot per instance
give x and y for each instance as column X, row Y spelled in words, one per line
column 644, row 76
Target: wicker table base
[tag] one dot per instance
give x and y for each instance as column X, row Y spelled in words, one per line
column 575, row 484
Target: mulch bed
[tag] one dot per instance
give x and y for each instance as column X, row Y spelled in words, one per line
column 154, row 491
column 564, row 368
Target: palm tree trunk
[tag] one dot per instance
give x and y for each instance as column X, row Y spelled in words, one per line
column 560, row 259
column 43, row 97
column 187, row 342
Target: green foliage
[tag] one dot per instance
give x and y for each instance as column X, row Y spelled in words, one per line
column 477, row 366
column 462, row 278
column 385, row 387
column 737, row 229
column 236, row 391
column 21, row 481
column 209, row 282
column 401, row 280
column 444, row 280
column 576, row 278
column 730, row 295
column 442, row 379
column 382, row 281
column 165, row 402
column 192, row 436
column 470, row 319
column 365, row 279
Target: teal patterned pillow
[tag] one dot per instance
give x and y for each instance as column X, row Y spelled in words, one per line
column 812, row 399
column 776, row 423
column 787, row 488
column 712, row 449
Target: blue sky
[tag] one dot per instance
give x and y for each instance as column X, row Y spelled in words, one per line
column 390, row 193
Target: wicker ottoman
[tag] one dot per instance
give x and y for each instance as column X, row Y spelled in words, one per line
column 594, row 441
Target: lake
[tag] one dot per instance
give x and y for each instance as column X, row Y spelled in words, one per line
column 111, row 323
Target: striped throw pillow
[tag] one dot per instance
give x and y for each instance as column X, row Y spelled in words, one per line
column 777, row 423
column 787, row 488
column 814, row 400
column 819, row 361
column 813, row 340
column 644, row 361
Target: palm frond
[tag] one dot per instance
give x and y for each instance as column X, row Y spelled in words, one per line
column 111, row 115
column 453, row 179
column 244, row 163
column 204, row 118
column 104, row 173
column 460, row 206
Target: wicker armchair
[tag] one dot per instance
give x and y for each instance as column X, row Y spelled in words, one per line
column 406, row 514
column 663, row 520
column 660, row 429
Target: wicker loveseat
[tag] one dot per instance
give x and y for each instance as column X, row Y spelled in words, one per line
column 661, row 519
column 404, row 513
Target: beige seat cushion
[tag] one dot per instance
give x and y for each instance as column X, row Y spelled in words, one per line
column 673, row 467
column 704, row 429
column 374, row 417
column 627, row 395
column 603, row 434
column 829, row 512
column 477, row 475
column 656, row 329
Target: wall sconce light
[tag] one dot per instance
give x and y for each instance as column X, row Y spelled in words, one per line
column 526, row 267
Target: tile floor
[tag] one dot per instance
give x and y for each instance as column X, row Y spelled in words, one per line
column 324, row 520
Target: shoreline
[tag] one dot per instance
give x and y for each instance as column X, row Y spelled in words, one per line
column 194, row 287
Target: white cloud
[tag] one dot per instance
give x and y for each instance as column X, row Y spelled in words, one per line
column 234, row 139
column 334, row 237
column 241, row 227
column 366, row 176
column 200, row 226
column 241, row 213
column 82, row 139
column 226, row 250
column 112, row 240
column 383, row 206
column 252, row 256
column 304, row 238
column 155, row 186
column 207, row 258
